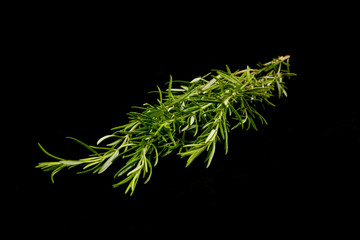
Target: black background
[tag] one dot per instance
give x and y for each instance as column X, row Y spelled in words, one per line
column 78, row 69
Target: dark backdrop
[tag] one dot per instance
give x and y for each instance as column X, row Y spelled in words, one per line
column 79, row 70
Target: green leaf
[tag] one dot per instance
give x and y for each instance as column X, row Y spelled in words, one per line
column 191, row 109
column 150, row 171
column 208, row 101
column 160, row 94
column 171, row 136
column 109, row 162
column 54, row 172
column 194, row 156
column 211, row 135
column 127, row 179
column 124, row 169
column 195, row 80
column 211, row 155
column 229, row 78
column 236, row 114
column 209, row 84
column 47, row 153
column 169, row 88
column 103, row 138
column 225, row 133
column 252, row 123
column 84, row 145
column 156, row 154
column 228, row 69
column 70, row 163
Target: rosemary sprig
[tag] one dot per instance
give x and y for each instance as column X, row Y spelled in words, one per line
column 189, row 119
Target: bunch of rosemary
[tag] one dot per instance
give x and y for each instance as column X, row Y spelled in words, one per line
column 189, row 119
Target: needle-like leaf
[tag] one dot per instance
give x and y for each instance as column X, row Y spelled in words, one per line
column 190, row 118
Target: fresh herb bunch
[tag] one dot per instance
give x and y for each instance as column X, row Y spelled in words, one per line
column 189, row 119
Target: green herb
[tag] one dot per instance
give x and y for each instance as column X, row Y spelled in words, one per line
column 189, row 119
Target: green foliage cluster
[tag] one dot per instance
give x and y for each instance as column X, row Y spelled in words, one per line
column 189, row 119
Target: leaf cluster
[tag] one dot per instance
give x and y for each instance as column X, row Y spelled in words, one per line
column 189, row 119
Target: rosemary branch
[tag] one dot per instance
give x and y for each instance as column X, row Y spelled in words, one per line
column 189, row 119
